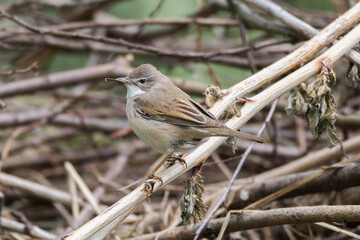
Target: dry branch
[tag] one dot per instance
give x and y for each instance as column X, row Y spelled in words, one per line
column 145, row 21
column 236, row 172
column 291, row 61
column 336, row 180
column 337, row 229
column 312, row 160
column 112, row 172
column 119, row 67
column 42, row 191
column 120, row 41
column 295, row 23
column 255, row 219
column 224, row 56
column 59, row 159
column 62, row 134
column 34, row 231
column 82, row 186
column 86, row 123
column 257, row 21
column 33, row 67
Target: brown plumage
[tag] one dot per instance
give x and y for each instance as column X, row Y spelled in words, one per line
column 165, row 117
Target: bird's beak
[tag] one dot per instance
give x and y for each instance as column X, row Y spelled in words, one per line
column 124, row 80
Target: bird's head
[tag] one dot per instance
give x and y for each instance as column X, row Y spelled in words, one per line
column 142, row 79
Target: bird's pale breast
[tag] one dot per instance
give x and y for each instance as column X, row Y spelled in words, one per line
column 161, row 136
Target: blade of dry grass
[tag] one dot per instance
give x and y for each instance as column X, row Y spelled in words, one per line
column 337, row 229
column 45, row 192
column 82, row 186
column 74, row 197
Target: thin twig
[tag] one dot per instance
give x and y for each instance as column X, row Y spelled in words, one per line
column 295, row 23
column 337, row 229
column 122, row 42
column 236, row 172
column 42, row 191
column 296, row 185
column 152, row 13
column 242, row 29
column 147, row 21
column 33, row 67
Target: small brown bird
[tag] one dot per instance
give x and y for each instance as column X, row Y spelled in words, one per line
column 166, row 118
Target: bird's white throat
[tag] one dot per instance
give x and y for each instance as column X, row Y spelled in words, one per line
column 133, row 90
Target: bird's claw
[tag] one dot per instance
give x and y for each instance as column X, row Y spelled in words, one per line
column 178, row 158
column 149, row 185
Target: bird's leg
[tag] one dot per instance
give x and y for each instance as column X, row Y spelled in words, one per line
column 152, row 174
column 150, row 181
column 177, row 157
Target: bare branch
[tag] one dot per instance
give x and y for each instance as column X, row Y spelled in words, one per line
column 255, row 219
column 33, row 67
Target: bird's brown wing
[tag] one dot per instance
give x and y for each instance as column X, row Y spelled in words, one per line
column 176, row 111
column 187, row 113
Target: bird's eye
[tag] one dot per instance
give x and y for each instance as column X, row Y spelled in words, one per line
column 142, row 81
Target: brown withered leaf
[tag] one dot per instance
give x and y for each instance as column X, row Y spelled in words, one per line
column 212, row 94
column 192, row 206
column 296, row 103
column 353, row 75
column 232, row 141
column 321, row 112
column 230, row 111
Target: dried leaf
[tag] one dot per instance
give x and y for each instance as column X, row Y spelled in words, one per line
column 353, row 75
column 230, row 111
column 232, row 142
column 321, row 112
column 192, row 206
column 333, row 138
column 212, row 94
column 296, row 103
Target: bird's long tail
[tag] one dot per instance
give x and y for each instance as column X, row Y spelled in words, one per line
column 227, row 132
column 248, row 136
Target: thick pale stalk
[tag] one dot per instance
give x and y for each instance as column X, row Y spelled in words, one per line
column 291, row 61
column 82, row 186
column 46, row 192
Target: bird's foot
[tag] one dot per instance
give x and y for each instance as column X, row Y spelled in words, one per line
column 149, row 185
column 175, row 158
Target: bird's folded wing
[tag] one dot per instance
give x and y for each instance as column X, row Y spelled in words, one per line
column 177, row 111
